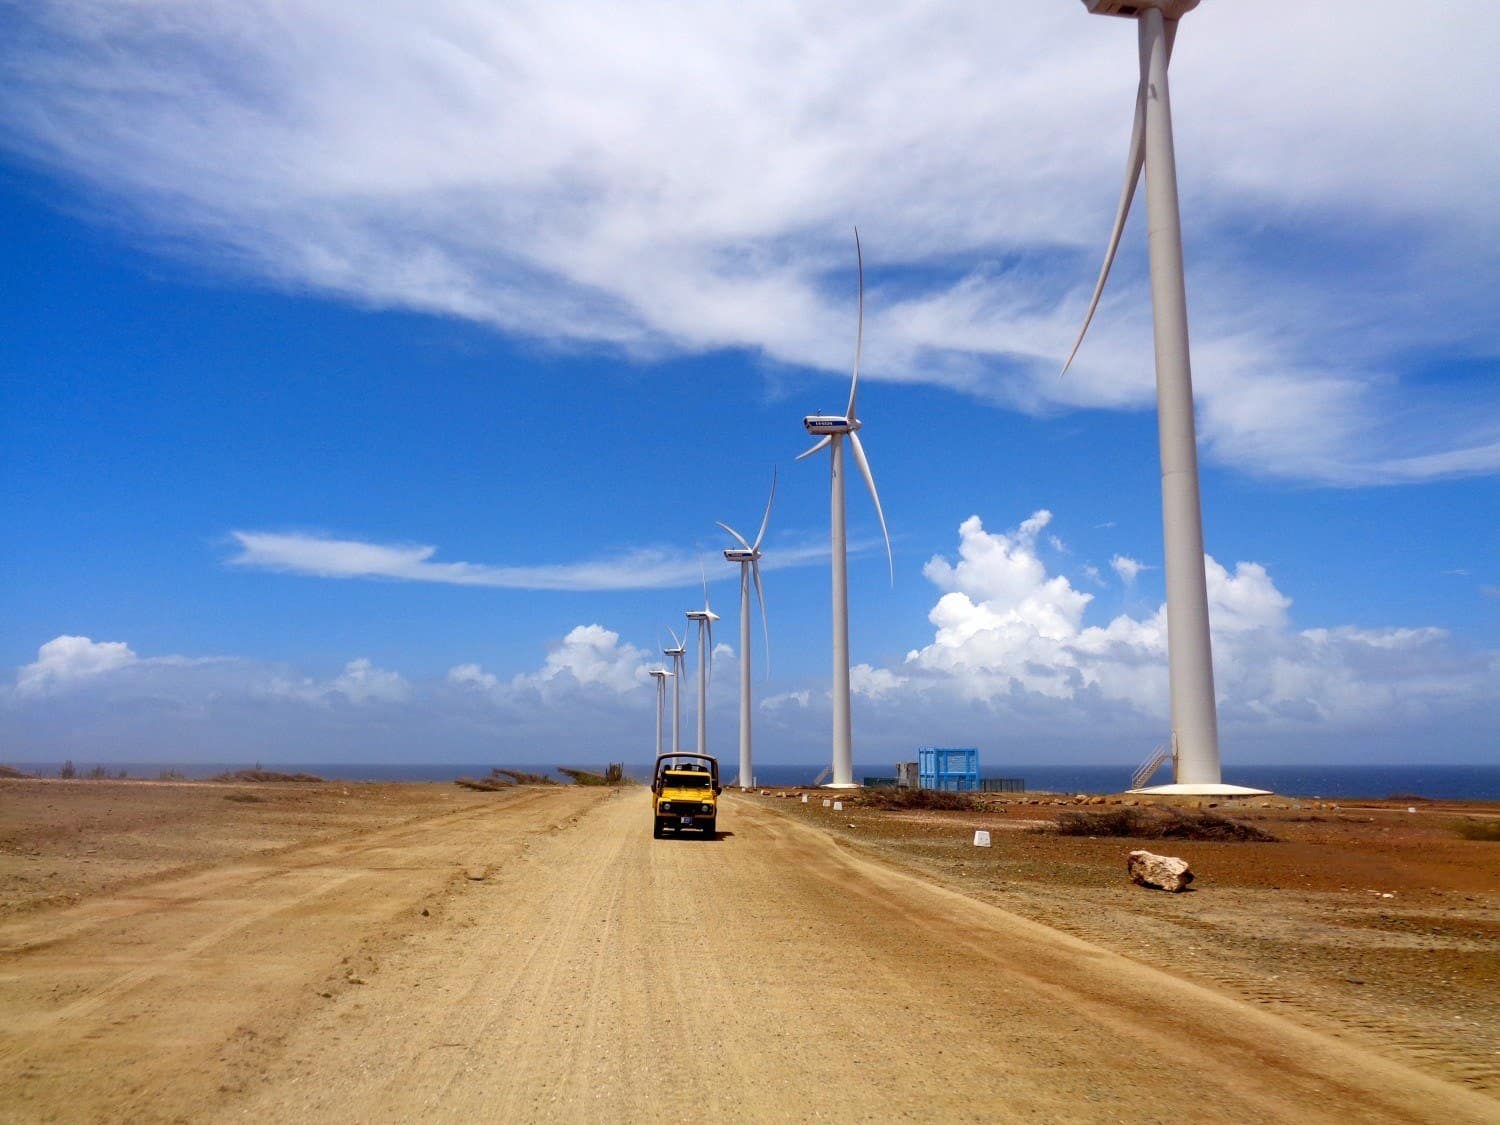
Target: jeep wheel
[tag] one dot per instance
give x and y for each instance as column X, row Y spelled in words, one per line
column 656, row 828
column 709, row 832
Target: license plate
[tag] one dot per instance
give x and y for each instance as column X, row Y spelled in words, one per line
column 687, row 820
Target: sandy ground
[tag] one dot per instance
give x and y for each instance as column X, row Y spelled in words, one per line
column 535, row 955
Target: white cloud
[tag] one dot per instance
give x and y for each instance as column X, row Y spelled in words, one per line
column 873, row 683
column 1015, row 639
column 794, row 700
column 65, row 661
column 324, row 556
column 473, row 676
column 1127, row 568
column 683, row 177
column 590, row 655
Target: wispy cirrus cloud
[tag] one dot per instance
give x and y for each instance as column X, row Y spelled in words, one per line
column 682, row 178
column 639, row 568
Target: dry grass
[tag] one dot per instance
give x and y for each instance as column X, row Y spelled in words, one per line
column 11, row 771
column 1156, row 824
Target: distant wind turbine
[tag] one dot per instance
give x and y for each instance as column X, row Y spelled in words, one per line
column 831, row 431
column 749, row 559
column 1195, row 723
column 678, row 653
column 661, row 676
column 705, row 618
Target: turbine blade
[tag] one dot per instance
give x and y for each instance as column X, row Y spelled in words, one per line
column 735, row 533
column 1134, row 162
column 822, row 444
column 704, row 575
column 675, row 642
column 766, row 519
column 864, row 468
column 859, row 334
column 708, row 623
column 764, row 625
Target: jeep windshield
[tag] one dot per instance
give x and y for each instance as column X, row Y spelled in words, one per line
column 687, row 780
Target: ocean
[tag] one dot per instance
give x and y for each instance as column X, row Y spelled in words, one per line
column 1476, row 783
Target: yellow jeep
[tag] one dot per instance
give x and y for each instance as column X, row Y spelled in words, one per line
column 685, row 794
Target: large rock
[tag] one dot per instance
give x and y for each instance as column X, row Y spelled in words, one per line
column 1164, row 872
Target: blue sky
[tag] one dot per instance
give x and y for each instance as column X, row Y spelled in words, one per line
column 292, row 299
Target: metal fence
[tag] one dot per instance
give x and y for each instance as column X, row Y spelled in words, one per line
column 1002, row 784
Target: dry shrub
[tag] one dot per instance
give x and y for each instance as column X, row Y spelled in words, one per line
column 1478, row 829
column 11, row 771
column 260, row 775
column 614, row 774
column 244, row 798
column 936, row 799
column 1158, row 824
column 521, row 777
column 483, row 785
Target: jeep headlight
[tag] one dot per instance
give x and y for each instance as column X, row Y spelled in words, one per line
column 708, row 808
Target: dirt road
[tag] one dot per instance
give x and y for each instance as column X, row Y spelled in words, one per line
column 596, row 974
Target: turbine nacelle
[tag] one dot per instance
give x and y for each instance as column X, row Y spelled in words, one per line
column 736, row 555
column 702, row 615
column 660, row 673
column 823, row 424
column 1170, row 9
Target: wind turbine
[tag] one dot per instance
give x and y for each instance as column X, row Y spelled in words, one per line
column 749, row 560
column 678, row 653
column 705, row 618
column 1195, row 723
column 661, row 675
column 831, row 431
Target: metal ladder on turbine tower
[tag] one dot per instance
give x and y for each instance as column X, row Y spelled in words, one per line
column 1146, row 769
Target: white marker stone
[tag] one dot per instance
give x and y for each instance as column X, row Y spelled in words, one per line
column 981, row 838
column 804, row 798
column 827, row 804
column 838, row 806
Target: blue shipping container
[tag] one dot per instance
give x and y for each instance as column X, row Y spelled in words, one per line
column 947, row 768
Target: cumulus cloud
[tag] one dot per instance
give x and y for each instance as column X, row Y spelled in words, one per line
column 1015, row 639
column 565, row 172
column 325, row 556
column 1127, row 568
column 473, row 676
column 873, row 683
column 590, row 655
column 65, row 661
column 798, row 700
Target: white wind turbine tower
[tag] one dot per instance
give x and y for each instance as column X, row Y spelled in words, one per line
column 831, row 431
column 661, row 676
column 705, row 618
column 749, row 560
column 678, row 653
column 1195, row 724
